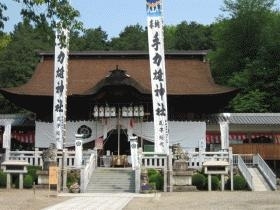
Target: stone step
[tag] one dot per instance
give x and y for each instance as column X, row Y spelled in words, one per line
column 112, row 180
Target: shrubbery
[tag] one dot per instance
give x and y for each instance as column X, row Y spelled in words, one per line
column 32, row 171
column 3, row 179
column 199, row 181
column 27, row 181
column 215, row 183
column 239, row 183
column 73, row 176
column 155, row 179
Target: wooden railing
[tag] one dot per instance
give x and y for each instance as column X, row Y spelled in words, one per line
column 266, row 151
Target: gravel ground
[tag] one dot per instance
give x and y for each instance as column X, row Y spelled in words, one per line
column 26, row 200
column 208, row 201
column 15, row 199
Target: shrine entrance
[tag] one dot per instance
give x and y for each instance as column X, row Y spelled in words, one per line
column 112, row 143
column 116, row 149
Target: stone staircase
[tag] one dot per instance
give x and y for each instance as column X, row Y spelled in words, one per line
column 110, row 180
column 259, row 182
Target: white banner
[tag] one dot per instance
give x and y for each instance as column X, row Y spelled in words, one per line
column 224, row 135
column 60, row 86
column 158, row 77
column 7, row 136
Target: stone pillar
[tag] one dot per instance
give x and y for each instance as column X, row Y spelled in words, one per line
column 134, row 152
column 222, row 182
column 64, row 170
column 8, row 184
column 231, row 167
column 209, row 183
column 165, row 179
column 21, row 181
column 7, row 153
column 137, row 179
column 170, row 172
column 78, row 150
column 37, row 157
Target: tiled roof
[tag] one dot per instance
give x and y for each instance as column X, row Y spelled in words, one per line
column 247, row 118
column 187, row 73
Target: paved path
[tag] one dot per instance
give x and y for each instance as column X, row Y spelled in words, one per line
column 96, row 201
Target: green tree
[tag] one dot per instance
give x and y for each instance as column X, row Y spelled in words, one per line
column 252, row 101
column 4, row 40
column 94, row 39
column 169, row 37
column 3, row 18
column 134, row 37
column 19, row 59
column 239, row 38
column 193, row 36
column 246, row 57
column 56, row 12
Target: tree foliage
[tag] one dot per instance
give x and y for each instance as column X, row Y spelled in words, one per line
column 3, row 18
column 19, row 58
column 133, row 37
column 247, row 54
column 192, row 36
column 91, row 39
column 59, row 13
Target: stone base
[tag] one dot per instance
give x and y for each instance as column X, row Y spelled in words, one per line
column 42, row 186
column 182, row 180
column 43, row 177
column 186, row 188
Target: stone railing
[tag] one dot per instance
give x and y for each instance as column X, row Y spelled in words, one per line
column 245, row 172
column 154, row 160
column 35, row 157
column 87, row 170
column 266, row 171
column 157, row 161
column 196, row 159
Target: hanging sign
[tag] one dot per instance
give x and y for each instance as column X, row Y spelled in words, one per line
column 158, row 76
column 60, row 86
column 53, row 175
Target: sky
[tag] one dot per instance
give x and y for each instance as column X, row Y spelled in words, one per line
column 114, row 15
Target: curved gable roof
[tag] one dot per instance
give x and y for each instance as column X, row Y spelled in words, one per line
column 187, row 73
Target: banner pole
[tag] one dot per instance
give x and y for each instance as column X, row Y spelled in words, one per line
column 158, row 75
